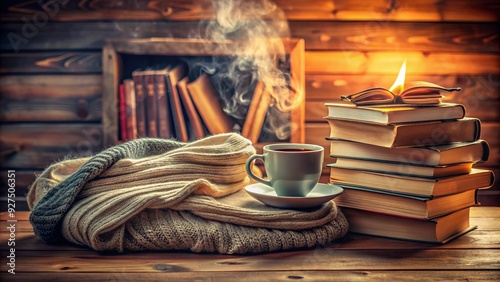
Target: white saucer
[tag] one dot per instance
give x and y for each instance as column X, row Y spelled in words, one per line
column 320, row 194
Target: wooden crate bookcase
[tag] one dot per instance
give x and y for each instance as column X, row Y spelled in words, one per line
column 115, row 49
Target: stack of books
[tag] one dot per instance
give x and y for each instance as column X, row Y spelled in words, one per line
column 407, row 171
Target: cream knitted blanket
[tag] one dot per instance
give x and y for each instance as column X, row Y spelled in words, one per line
column 157, row 194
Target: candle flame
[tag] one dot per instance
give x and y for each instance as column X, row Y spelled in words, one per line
column 398, row 85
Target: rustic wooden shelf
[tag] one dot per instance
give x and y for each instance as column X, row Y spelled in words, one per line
column 115, row 49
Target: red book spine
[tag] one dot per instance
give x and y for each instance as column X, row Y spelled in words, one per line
column 122, row 113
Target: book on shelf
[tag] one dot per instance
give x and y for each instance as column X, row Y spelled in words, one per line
column 441, row 155
column 130, row 108
column 207, row 102
column 256, row 113
column 122, row 112
column 195, row 124
column 403, row 168
column 407, row 134
column 388, row 114
column 418, row 186
column 438, row 230
column 416, row 92
column 175, row 74
column 151, row 103
column 163, row 115
column 368, row 199
column 140, row 103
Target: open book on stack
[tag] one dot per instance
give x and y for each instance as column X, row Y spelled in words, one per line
column 407, row 171
column 414, row 93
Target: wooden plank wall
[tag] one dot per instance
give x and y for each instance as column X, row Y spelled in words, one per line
column 50, row 64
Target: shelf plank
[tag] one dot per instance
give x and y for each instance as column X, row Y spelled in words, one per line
column 51, row 62
column 397, row 36
column 418, row 63
column 377, row 11
column 318, row 35
column 22, row 87
column 53, row 142
column 51, row 109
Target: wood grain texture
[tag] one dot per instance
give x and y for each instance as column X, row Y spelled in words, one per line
column 76, row 36
column 473, row 256
column 481, row 238
column 51, row 62
column 418, row 63
column 50, row 86
column 67, row 98
column 477, row 88
column 37, row 145
column 51, row 109
column 111, row 73
column 201, row 47
column 179, row 10
column 252, row 276
column 397, row 36
column 35, row 159
column 33, row 135
column 90, row 262
column 331, row 36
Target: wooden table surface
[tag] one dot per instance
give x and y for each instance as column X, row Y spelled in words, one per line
column 474, row 256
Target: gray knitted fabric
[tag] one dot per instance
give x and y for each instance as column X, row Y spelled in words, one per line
column 157, row 194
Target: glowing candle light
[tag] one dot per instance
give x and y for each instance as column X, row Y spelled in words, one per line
column 398, row 85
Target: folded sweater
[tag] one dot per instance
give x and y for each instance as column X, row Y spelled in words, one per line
column 159, row 194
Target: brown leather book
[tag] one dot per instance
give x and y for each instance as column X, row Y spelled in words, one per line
column 253, row 123
column 140, row 103
column 260, row 116
column 195, row 122
column 207, row 102
column 130, row 109
column 164, row 117
column 151, row 104
column 411, row 134
column 174, row 75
